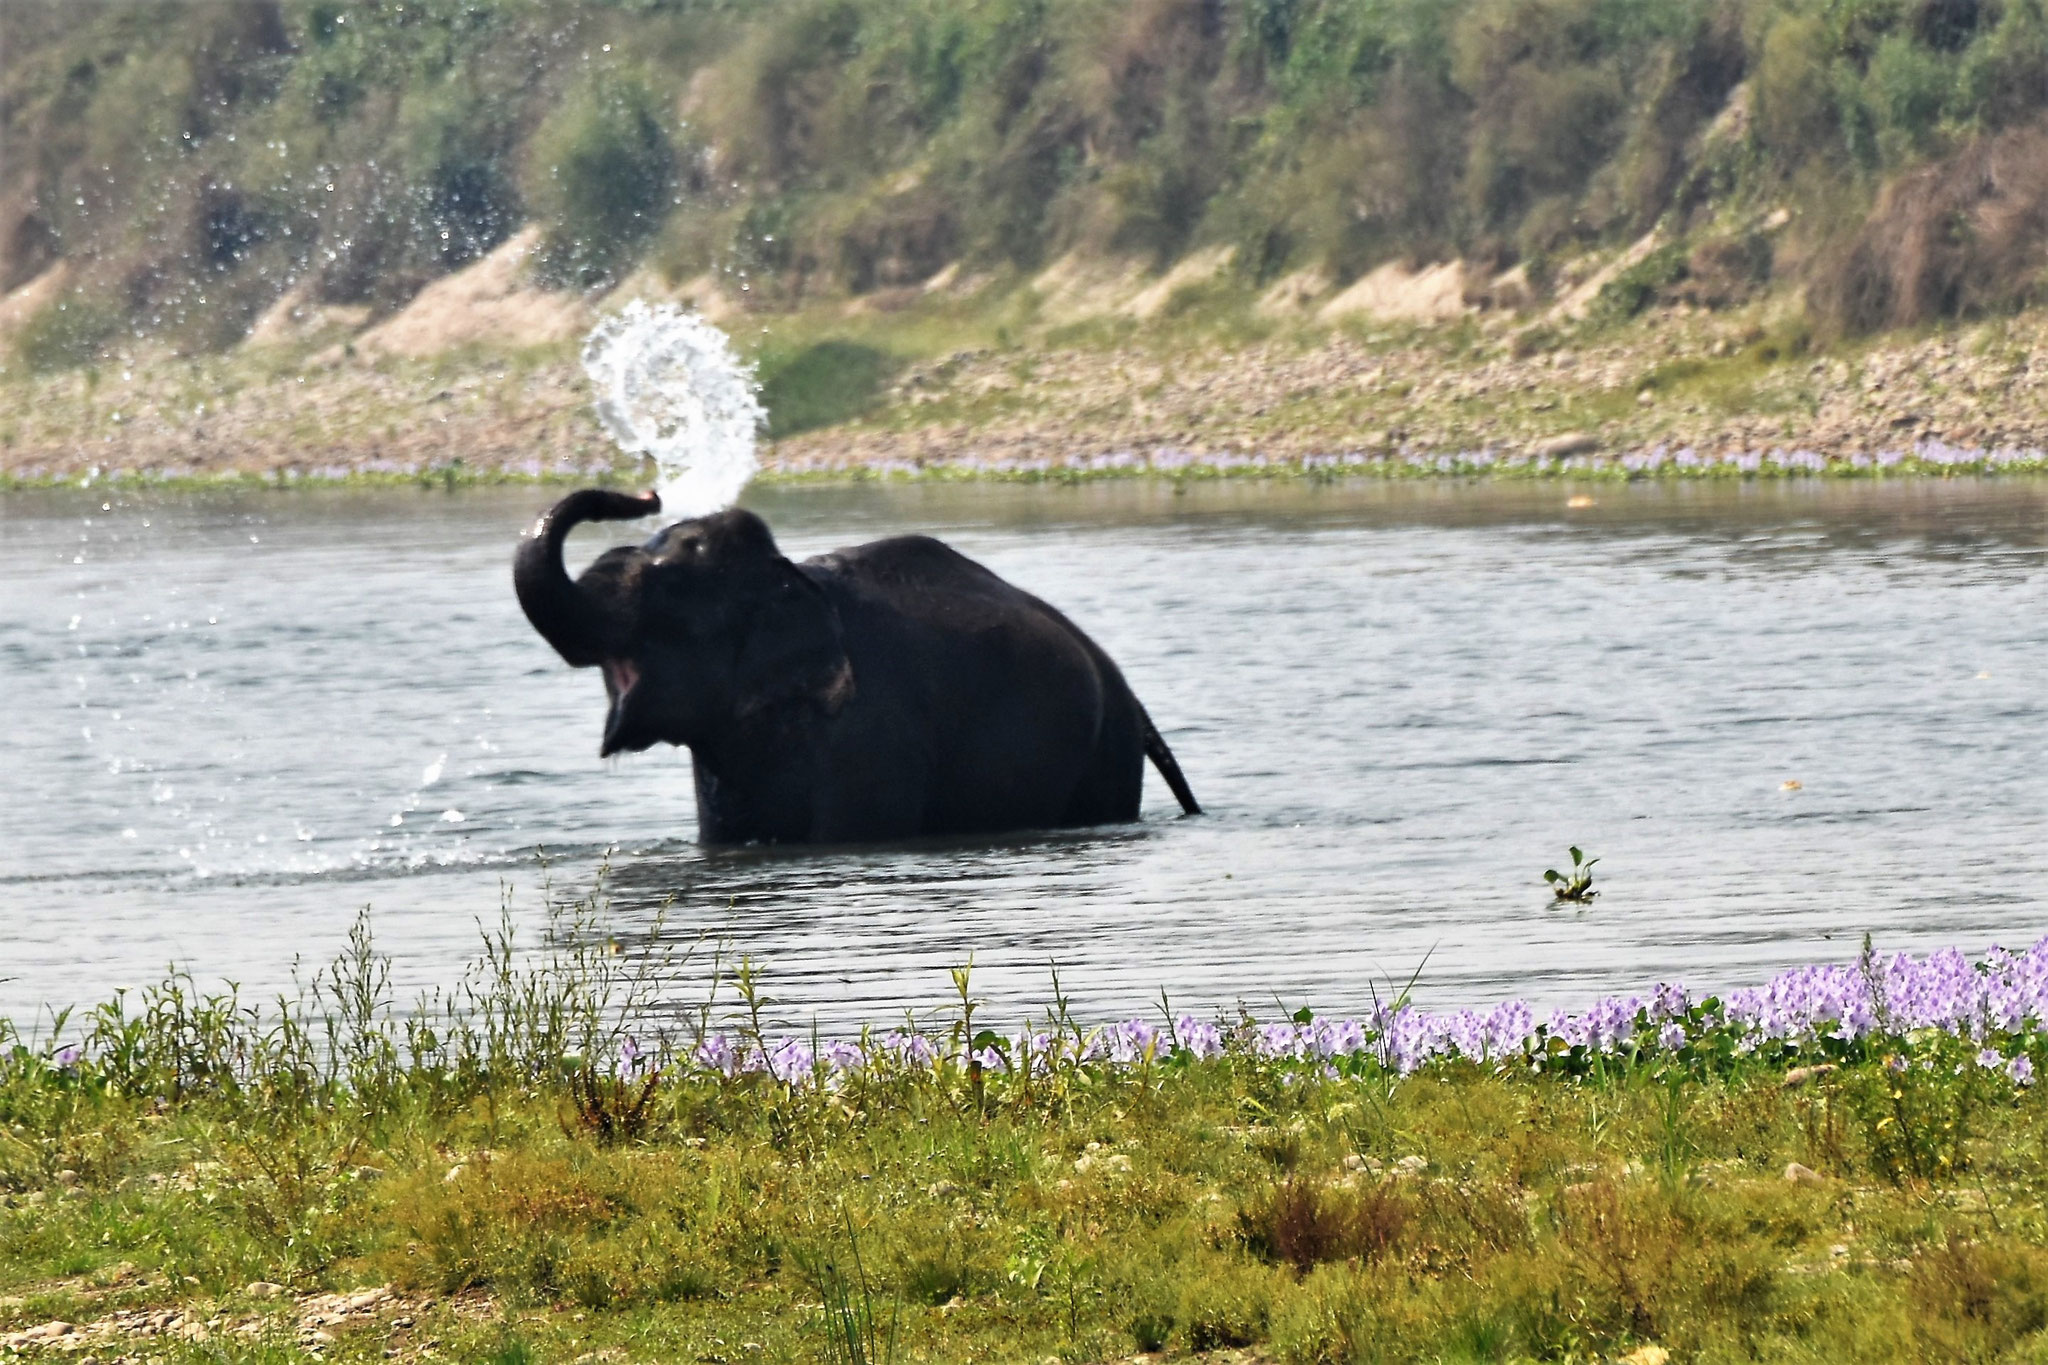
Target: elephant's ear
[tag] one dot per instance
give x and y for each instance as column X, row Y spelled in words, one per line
column 792, row 650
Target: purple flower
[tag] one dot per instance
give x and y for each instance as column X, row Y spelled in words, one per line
column 2021, row 1069
column 717, row 1053
column 632, row 1056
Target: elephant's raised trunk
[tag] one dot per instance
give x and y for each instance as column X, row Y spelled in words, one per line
column 558, row 608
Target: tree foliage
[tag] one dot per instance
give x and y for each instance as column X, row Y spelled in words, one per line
column 192, row 160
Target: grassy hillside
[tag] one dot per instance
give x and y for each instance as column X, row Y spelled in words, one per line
column 1883, row 162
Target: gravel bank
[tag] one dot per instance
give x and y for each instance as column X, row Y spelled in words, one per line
column 1674, row 393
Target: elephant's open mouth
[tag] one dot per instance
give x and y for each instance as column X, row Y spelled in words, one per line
column 621, row 676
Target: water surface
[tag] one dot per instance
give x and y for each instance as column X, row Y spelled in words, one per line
column 234, row 720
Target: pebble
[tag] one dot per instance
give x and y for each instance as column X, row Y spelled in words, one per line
column 1116, row 1163
column 1571, row 443
column 1800, row 1075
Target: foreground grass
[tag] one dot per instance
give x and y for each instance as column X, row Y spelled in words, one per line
column 1456, row 1215
column 516, row 1177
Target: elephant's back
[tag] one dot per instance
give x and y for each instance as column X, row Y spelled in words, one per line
column 922, row 577
column 1012, row 696
column 935, row 588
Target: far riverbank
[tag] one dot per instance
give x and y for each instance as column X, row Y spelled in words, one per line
column 1673, row 394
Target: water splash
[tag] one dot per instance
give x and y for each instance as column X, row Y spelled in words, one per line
column 669, row 386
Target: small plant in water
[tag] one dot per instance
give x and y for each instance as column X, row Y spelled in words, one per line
column 1575, row 886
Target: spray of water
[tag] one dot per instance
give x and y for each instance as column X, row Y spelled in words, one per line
column 669, row 386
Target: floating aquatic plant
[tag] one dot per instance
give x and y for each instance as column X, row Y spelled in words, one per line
column 1575, row 886
column 1999, row 1007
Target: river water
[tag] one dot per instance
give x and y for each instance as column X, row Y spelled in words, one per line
column 233, row 720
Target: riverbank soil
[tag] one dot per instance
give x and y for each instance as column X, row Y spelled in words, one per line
column 997, row 385
column 1220, row 1210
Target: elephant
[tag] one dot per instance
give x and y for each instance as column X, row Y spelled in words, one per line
column 886, row 691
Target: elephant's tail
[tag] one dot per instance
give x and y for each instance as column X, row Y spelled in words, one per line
column 1169, row 767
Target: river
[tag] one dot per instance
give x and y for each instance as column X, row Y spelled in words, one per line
column 1783, row 715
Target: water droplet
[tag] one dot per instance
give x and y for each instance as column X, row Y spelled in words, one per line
column 669, row 386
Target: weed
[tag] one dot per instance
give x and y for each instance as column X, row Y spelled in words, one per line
column 853, row 1335
column 1303, row 1221
column 1225, row 1306
column 1575, row 886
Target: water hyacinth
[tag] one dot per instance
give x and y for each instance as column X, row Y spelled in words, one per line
column 1911, row 1014
column 1999, row 1004
column 1408, row 461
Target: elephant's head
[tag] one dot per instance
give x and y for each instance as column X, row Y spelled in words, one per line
column 703, row 626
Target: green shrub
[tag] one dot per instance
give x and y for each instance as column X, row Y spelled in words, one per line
column 1635, row 288
column 1906, row 87
column 66, row 334
column 1794, row 106
column 454, row 161
column 1225, row 1305
column 1546, row 110
column 822, row 384
column 383, row 145
column 599, row 175
column 2000, row 78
